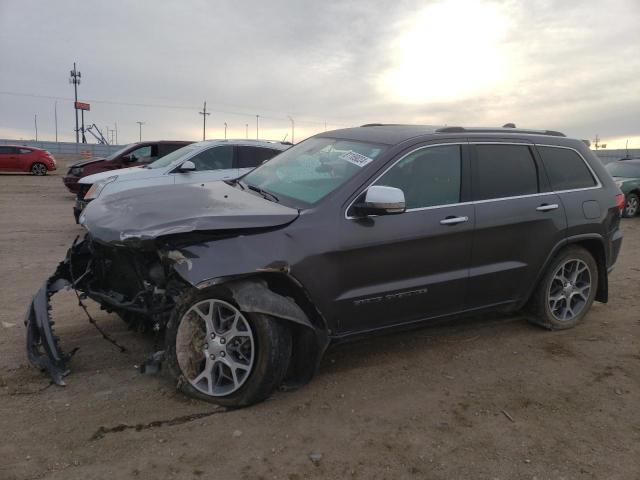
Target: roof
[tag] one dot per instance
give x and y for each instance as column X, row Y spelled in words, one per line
column 392, row 134
column 243, row 141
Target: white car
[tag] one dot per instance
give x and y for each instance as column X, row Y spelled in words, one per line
column 198, row 162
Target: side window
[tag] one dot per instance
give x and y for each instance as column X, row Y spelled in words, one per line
column 504, row 171
column 215, row 158
column 250, row 157
column 166, row 148
column 565, row 168
column 25, row 150
column 428, row 177
column 6, row 150
column 140, row 153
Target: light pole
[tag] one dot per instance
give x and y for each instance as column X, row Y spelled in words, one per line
column 75, row 79
column 246, row 130
column 225, row 130
column 35, row 121
column 55, row 114
column 140, row 126
column 204, row 114
column 257, row 118
column 293, row 126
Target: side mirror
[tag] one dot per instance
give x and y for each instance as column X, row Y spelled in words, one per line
column 187, row 166
column 126, row 159
column 381, row 200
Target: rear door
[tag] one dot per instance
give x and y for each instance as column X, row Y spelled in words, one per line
column 249, row 157
column 215, row 163
column 518, row 222
column 7, row 158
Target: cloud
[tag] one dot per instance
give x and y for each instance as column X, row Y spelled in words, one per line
column 566, row 65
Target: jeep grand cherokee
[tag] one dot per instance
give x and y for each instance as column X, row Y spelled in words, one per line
column 350, row 232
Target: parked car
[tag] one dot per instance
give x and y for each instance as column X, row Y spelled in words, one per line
column 132, row 155
column 351, row 232
column 18, row 158
column 626, row 174
column 198, row 162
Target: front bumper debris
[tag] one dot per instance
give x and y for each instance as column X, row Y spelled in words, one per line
column 43, row 348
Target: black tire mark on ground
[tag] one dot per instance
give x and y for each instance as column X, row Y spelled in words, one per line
column 102, row 431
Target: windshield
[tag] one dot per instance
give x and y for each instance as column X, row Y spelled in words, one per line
column 310, row 170
column 172, row 157
column 117, row 153
column 619, row 169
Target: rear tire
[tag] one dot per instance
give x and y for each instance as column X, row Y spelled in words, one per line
column 631, row 205
column 566, row 292
column 39, row 169
column 222, row 355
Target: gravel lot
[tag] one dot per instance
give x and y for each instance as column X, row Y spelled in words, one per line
column 490, row 397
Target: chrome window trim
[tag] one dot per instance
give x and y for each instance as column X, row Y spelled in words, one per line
column 488, row 200
column 595, row 176
column 393, row 165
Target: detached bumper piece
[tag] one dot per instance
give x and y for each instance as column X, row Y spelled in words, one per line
column 42, row 345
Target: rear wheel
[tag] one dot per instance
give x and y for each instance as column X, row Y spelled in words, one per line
column 631, row 205
column 220, row 354
column 567, row 290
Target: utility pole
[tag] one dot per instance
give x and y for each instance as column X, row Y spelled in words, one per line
column 204, row 114
column 75, row 79
column 84, row 139
column 116, row 124
column 35, row 121
column 246, row 130
column 597, row 142
column 257, row 118
column 293, row 126
column 140, row 125
column 225, row 130
column 55, row 115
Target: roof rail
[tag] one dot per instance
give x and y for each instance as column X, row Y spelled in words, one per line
column 505, row 129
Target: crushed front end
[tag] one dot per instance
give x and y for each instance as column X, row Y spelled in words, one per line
column 136, row 282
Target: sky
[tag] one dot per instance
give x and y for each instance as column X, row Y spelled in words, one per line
column 568, row 65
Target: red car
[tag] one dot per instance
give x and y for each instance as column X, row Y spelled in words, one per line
column 133, row 155
column 17, row 158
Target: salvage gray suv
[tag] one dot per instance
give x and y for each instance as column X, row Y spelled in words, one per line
column 351, row 232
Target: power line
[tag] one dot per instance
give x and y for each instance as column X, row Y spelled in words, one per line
column 177, row 107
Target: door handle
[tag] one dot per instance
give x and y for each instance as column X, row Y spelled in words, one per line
column 453, row 220
column 547, row 207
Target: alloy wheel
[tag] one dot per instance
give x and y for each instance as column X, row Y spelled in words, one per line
column 631, row 208
column 215, row 347
column 569, row 290
column 39, row 169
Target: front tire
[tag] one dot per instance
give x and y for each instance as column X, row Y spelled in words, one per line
column 39, row 169
column 631, row 205
column 566, row 292
column 220, row 354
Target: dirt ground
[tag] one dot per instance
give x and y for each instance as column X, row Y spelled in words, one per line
column 490, row 397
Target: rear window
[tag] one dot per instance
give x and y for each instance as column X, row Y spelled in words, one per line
column 565, row 168
column 504, row 171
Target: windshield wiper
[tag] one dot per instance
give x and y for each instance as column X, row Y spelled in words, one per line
column 234, row 182
column 264, row 193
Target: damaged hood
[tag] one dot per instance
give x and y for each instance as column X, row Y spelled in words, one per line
column 147, row 213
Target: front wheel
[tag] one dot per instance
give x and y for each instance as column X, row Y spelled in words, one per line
column 218, row 353
column 567, row 290
column 39, row 169
column 631, row 205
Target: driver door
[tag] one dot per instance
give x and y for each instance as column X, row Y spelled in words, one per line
column 215, row 163
column 411, row 266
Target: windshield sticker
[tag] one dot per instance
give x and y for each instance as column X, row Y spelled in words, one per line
column 356, row 158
